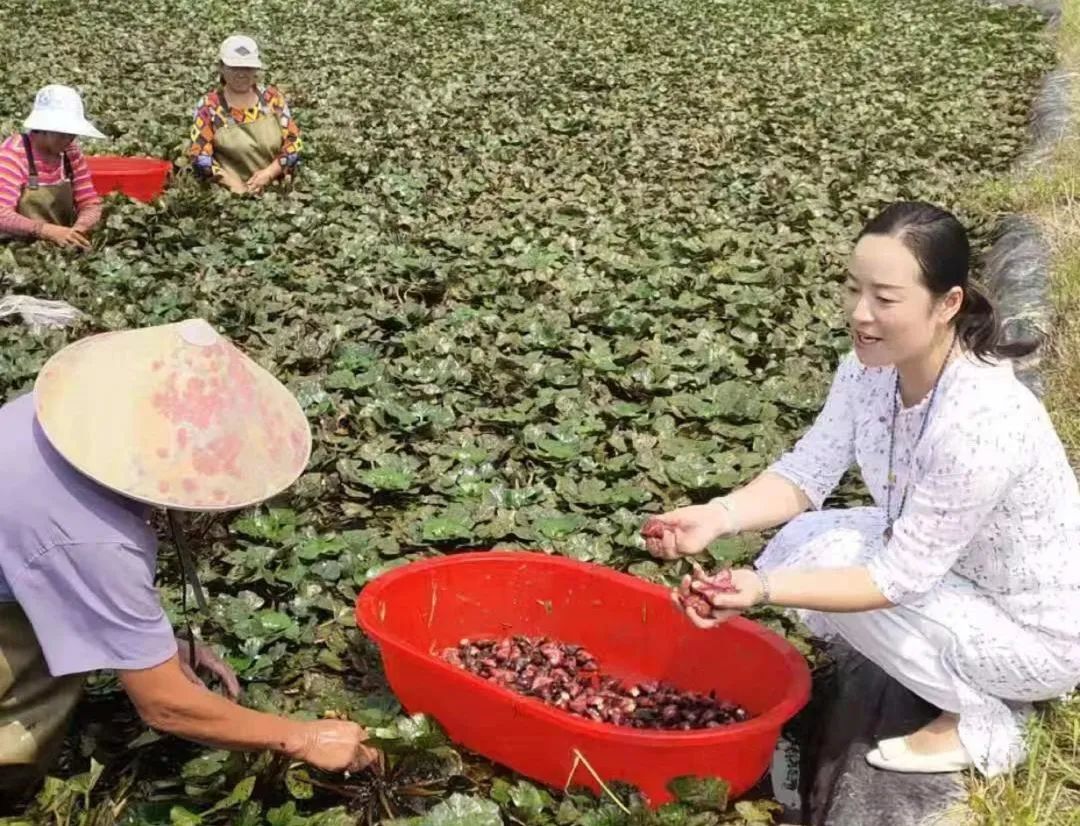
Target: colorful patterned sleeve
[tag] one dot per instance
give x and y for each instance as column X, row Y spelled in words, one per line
column 290, row 132
column 201, row 151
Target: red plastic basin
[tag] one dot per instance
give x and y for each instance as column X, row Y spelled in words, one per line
column 140, row 178
column 414, row 612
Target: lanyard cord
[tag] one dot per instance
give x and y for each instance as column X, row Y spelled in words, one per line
column 188, row 576
column 891, row 479
column 32, row 167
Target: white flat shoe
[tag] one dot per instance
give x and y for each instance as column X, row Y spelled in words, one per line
column 895, row 755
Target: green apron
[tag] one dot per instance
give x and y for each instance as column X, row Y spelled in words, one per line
column 51, row 203
column 245, row 148
column 35, row 707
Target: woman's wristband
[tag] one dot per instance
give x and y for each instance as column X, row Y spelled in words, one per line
column 733, row 520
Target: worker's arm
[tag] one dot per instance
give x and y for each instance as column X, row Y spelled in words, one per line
column 832, row 590
column 168, row 701
column 767, row 501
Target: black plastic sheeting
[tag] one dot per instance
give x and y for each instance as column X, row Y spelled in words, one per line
column 1018, row 264
column 1016, row 276
column 855, row 703
column 1050, row 8
column 1016, row 269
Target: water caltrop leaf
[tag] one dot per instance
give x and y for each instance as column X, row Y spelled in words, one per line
column 757, row 811
column 274, row 621
column 537, row 279
column 441, row 529
column 388, row 478
column 240, row 793
column 179, row 816
column 298, row 784
column 529, row 800
column 271, row 525
column 463, row 810
column 559, row 527
column 700, row 793
column 415, row 733
column 205, row 765
column 288, row 815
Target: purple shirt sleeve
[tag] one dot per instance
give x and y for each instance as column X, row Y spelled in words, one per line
column 94, row 606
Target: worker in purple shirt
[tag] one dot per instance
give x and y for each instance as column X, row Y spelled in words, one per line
column 173, row 416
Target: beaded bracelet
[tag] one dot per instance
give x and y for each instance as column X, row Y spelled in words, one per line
column 766, row 591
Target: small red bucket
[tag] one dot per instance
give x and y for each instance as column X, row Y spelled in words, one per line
column 414, row 612
column 140, row 178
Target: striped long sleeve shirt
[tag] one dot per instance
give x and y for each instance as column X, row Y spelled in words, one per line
column 15, row 174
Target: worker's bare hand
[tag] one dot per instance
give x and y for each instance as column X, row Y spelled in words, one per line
column 334, row 745
column 67, row 237
column 206, row 659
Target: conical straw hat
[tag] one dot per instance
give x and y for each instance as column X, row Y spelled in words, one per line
column 174, row 416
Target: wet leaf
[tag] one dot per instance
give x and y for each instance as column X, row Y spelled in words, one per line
column 462, row 810
column 298, row 783
column 700, row 793
column 547, row 268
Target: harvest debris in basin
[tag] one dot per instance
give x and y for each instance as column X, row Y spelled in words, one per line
column 568, row 677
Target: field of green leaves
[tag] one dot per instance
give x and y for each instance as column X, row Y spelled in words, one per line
column 551, row 265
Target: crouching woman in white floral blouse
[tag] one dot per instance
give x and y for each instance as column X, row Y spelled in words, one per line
column 962, row 581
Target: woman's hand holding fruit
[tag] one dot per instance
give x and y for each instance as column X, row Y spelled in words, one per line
column 685, row 531
column 709, row 601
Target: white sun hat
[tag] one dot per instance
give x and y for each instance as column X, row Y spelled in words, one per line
column 240, row 52
column 59, row 109
column 174, row 416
